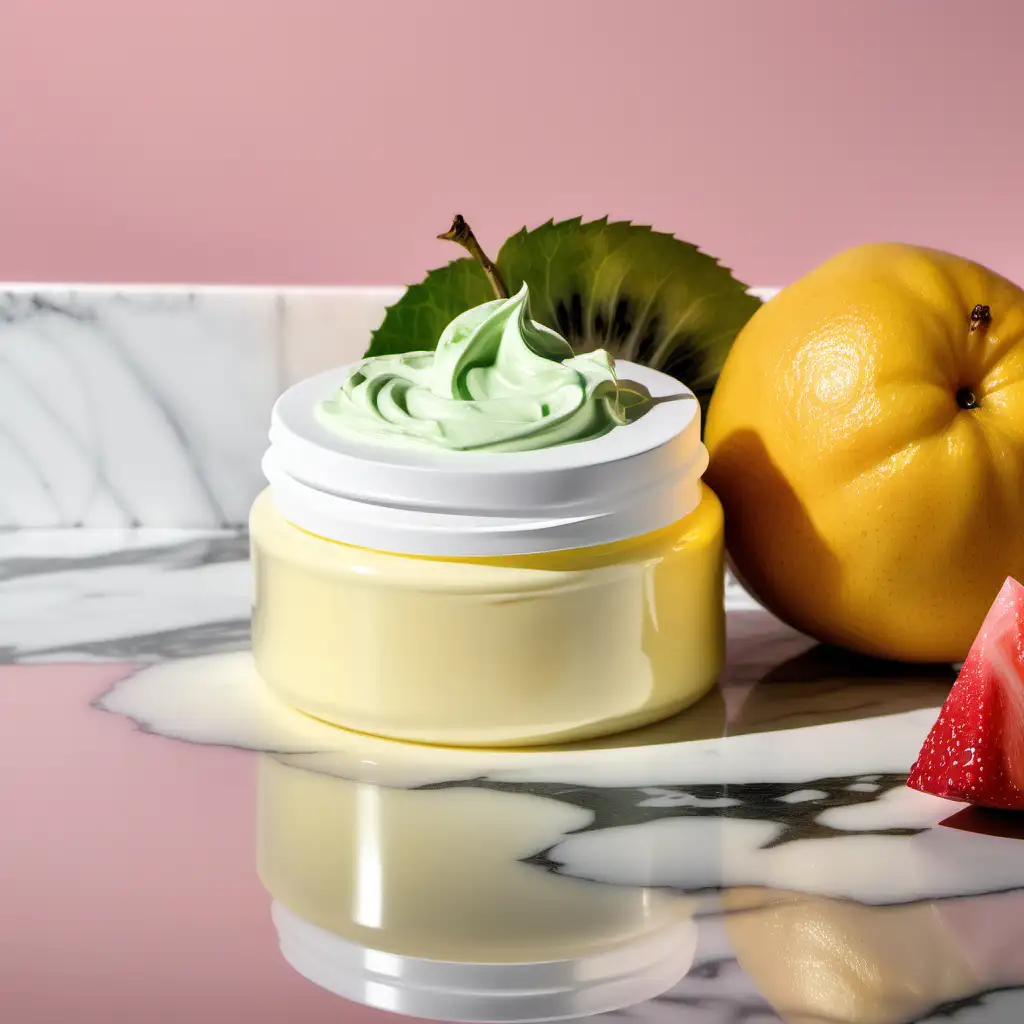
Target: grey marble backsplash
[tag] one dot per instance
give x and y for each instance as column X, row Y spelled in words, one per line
column 149, row 406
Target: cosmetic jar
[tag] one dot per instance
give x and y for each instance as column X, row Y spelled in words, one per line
column 489, row 599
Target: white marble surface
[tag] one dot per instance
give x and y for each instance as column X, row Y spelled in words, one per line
column 151, row 406
column 122, row 595
column 120, row 410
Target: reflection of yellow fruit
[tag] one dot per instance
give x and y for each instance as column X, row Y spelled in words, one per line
column 818, row 960
column 867, row 442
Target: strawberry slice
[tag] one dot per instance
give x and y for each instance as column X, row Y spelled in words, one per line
column 975, row 751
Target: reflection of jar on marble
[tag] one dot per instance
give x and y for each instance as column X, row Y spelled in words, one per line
column 417, row 901
column 489, row 599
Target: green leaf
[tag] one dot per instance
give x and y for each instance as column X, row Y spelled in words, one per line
column 416, row 320
column 644, row 295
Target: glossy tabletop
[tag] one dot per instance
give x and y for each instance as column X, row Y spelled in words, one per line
column 177, row 846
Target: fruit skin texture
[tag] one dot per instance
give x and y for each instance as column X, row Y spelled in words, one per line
column 975, row 751
column 864, row 505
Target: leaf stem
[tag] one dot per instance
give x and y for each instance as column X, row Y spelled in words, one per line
column 462, row 233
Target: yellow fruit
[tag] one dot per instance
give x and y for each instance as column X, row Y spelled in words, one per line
column 867, row 443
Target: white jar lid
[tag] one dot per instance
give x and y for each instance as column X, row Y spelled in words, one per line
column 633, row 480
column 599, row 982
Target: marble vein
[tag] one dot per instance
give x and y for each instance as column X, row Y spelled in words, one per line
column 135, row 596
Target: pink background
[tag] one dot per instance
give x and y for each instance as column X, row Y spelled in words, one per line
column 329, row 141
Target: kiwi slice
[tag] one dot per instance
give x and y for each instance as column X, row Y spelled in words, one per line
column 641, row 294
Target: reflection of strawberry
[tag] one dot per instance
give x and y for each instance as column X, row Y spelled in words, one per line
column 975, row 751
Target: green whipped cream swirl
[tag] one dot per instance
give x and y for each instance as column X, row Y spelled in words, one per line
column 498, row 382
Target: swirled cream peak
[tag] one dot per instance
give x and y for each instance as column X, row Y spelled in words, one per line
column 498, row 382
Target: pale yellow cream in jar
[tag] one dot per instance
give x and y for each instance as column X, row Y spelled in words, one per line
column 496, row 543
column 495, row 651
